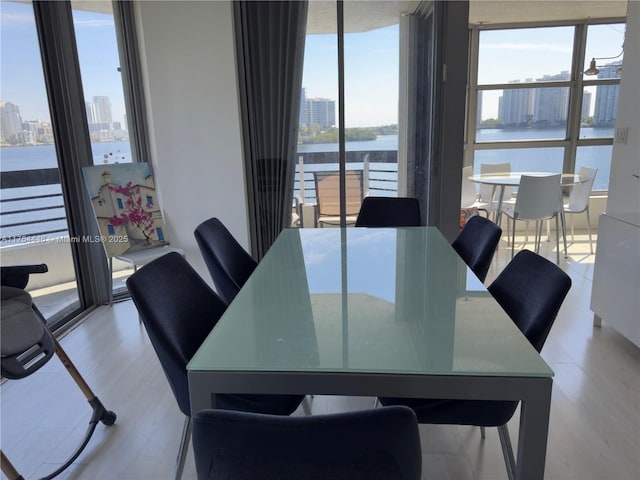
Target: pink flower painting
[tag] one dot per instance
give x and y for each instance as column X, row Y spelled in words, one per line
column 138, row 212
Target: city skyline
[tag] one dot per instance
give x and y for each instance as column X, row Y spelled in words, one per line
column 16, row 130
column 371, row 76
column 20, row 52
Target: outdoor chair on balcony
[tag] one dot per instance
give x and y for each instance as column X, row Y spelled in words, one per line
column 579, row 200
column 489, row 193
column 28, row 344
column 539, row 198
column 328, row 197
column 469, row 197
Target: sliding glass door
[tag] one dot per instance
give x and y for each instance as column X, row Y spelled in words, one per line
column 371, row 84
column 33, row 211
column 54, row 55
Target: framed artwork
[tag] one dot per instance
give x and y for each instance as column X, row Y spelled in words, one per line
column 126, row 207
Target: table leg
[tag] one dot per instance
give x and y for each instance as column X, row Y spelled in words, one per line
column 534, row 428
column 563, row 224
column 499, row 210
column 200, row 392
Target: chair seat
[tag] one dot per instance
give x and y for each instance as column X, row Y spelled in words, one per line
column 568, row 209
column 335, row 220
column 510, row 212
column 144, row 256
column 21, row 327
column 266, row 404
column 479, row 413
column 478, row 204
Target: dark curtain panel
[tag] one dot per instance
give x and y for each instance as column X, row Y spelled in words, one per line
column 437, row 38
column 270, row 40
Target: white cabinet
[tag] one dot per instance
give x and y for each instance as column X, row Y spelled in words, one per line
column 615, row 298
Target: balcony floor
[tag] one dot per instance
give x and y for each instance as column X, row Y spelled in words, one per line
column 595, row 415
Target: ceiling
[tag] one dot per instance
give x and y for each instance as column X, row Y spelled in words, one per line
column 518, row 11
column 363, row 15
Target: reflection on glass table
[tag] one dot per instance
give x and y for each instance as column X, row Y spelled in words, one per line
column 373, row 312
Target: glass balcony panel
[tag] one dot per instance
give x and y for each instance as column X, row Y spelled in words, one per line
column 524, row 55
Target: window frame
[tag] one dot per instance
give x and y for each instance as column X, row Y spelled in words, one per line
column 575, row 83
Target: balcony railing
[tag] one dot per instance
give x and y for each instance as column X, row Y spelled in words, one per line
column 32, row 207
column 380, row 171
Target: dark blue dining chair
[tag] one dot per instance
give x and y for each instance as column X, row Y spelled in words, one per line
column 531, row 290
column 179, row 310
column 378, row 444
column 228, row 263
column 476, row 244
column 389, row 212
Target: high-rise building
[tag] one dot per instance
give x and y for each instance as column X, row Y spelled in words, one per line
column 604, row 114
column 303, row 106
column 10, row 120
column 586, row 104
column 320, row 111
column 516, row 106
column 92, row 112
column 103, row 108
column 552, row 104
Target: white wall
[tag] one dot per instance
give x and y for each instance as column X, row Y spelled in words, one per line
column 191, row 88
column 624, row 188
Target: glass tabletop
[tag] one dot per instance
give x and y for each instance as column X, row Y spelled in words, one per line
column 513, row 178
column 368, row 301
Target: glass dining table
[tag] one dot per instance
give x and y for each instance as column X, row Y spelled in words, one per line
column 374, row 312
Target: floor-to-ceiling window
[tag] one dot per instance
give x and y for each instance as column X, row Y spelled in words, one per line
column 34, row 222
column 371, row 86
column 535, row 104
column 42, row 222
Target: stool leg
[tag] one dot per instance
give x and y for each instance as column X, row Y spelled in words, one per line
column 111, row 280
column 8, row 469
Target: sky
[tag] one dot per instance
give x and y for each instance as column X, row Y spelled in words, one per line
column 371, row 74
column 371, row 63
column 21, row 77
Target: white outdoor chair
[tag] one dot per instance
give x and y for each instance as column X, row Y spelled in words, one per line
column 489, row 193
column 539, row 198
column 579, row 199
column 469, row 195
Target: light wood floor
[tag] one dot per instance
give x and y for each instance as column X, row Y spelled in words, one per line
column 595, row 413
